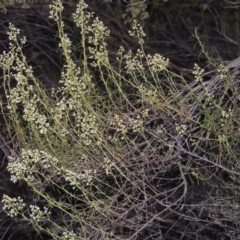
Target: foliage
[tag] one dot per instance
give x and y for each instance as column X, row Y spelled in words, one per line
column 112, row 155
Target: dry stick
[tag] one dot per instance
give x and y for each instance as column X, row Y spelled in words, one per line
column 4, row 145
column 197, row 156
column 157, row 215
column 233, row 64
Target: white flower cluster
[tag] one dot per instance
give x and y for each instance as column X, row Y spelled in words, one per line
column 31, row 114
column 197, row 72
column 24, row 167
column 108, row 164
column 35, row 161
column 136, row 124
column 100, row 33
column 209, row 98
column 134, row 63
column 222, row 138
column 63, row 106
column 223, row 72
column 70, row 76
column 122, row 124
column 88, row 127
column 120, row 52
column 225, row 117
column 56, row 8
column 225, row 120
column 95, row 32
column 69, row 236
column 77, row 179
column 71, row 79
column 137, row 32
column 13, row 206
column 12, row 34
column 148, row 95
column 226, row 114
column 157, row 63
column 181, row 129
column 118, row 124
column 81, row 17
column 7, row 58
column 37, row 214
column 23, row 92
column 99, row 52
column 65, row 44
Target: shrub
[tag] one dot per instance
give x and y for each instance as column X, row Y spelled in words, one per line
column 114, row 155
